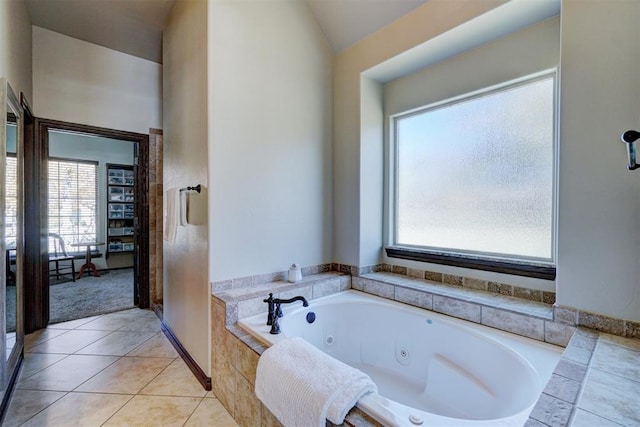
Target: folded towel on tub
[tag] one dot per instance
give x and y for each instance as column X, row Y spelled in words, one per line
column 302, row 386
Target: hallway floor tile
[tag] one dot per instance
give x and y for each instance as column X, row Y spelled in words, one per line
column 113, row 370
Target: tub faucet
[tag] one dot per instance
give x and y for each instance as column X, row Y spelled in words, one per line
column 271, row 309
column 275, row 311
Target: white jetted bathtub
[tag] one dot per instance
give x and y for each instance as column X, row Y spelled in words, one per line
column 430, row 369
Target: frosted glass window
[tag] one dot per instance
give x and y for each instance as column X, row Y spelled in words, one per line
column 477, row 175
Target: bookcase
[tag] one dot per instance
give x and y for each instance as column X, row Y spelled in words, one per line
column 120, row 208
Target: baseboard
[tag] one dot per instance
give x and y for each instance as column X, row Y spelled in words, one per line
column 157, row 309
column 200, row 375
column 4, row 405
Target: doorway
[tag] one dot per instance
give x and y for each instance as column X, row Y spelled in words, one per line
column 88, row 237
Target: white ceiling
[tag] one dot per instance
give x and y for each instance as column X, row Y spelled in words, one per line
column 135, row 26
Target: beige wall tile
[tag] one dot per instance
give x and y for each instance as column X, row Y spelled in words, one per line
column 399, row 270
column 500, row 288
column 601, row 323
column 433, row 276
column 526, row 293
column 516, row 323
column 456, row 308
column 475, row 284
column 247, row 361
column 248, row 409
column 558, row 333
column 414, row 297
column 452, row 279
column 562, row 314
column 414, row 272
column 326, row 288
column 380, row 289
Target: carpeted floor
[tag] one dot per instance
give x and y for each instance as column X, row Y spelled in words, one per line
column 86, row 297
column 91, row 296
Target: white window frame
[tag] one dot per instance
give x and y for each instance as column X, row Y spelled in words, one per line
column 391, row 222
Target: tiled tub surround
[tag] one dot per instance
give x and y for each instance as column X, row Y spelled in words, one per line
column 269, row 278
column 235, row 353
column 522, row 317
column 561, row 314
column 369, row 328
column 505, row 289
column 596, row 383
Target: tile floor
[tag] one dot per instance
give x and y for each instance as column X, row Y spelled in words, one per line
column 116, row 369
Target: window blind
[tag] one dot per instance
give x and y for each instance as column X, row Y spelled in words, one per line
column 73, row 200
column 11, row 200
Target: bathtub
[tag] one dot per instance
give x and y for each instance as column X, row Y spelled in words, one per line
column 430, row 369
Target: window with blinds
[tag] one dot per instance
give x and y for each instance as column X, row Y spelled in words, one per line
column 11, row 200
column 73, row 200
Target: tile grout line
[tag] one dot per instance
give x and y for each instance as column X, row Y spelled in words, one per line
column 171, row 360
column 43, row 409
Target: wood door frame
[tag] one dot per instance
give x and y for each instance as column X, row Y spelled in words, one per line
column 37, row 307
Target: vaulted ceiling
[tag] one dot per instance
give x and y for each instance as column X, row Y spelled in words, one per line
column 135, row 26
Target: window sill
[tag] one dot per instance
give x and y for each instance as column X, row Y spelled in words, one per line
column 538, row 271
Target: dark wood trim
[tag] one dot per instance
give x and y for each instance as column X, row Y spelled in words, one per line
column 36, row 185
column 35, row 265
column 538, row 271
column 141, row 169
column 11, row 385
column 192, row 364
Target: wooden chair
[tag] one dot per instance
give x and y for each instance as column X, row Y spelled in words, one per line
column 62, row 261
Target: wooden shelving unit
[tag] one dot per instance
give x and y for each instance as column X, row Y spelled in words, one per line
column 120, row 209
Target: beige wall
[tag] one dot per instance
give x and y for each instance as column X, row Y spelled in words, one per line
column 269, row 138
column 485, row 66
column 353, row 224
column 81, row 82
column 186, row 290
column 599, row 236
column 15, row 46
column 599, row 201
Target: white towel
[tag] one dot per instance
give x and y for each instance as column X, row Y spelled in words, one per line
column 183, row 208
column 171, row 214
column 303, row 386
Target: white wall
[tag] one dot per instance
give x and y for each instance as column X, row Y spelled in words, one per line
column 15, row 46
column 102, row 151
column 84, row 83
column 269, row 138
column 599, row 233
column 186, row 290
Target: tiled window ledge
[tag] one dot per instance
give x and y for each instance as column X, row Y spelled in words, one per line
column 522, row 317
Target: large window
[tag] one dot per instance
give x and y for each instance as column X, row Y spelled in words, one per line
column 475, row 175
column 73, row 200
